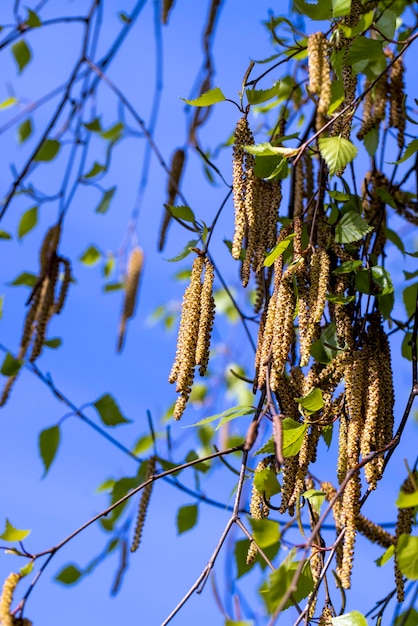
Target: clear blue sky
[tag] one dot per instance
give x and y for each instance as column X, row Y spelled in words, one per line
column 86, row 366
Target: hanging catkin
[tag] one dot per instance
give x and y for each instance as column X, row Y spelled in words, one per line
column 133, row 275
column 176, row 170
column 9, row 586
column 143, row 504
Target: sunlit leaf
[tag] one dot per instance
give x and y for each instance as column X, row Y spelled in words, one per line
column 69, row 575
column 186, row 518
column 49, row 440
column 9, row 102
column 109, row 411
column 320, row 10
column 354, row 618
column 213, row 96
column 265, row 481
column 387, row 23
column 316, row 499
column 362, row 51
column 266, row 532
column 340, row 8
column 32, row 19
column 26, row 569
column 12, row 534
column 27, row 222
column 90, row 256
column 256, row 96
column 337, row 152
column 113, row 133
column 407, row 500
column 278, row 250
column 104, row 203
column 181, row 212
column 407, row 556
column 313, row 401
column 386, row 556
column 351, row 227
column 25, row 278
column 185, row 252
column 293, row 435
column 225, row 416
column 411, row 148
column 22, row 54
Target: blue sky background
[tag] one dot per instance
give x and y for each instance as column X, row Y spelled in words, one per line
column 86, row 366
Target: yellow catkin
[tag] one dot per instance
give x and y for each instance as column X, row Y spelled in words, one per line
column 9, row 586
column 325, row 91
column 243, row 136
column 349, row 511
column 374, row 532
column 143, row 504
column 306, row 328
column 182, row 371
column 283, row 333
column 135, row 264
column 326, row 616
column 258, row 506
column 315, row 61
column 298, row 189
column 207, row 315
column 176, row 170
column 252, row 553
column 403, row 526
column 290, row 469
column 374, row 210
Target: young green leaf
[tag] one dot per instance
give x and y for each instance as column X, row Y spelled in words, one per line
column 266, row 532
column 231, row 622
column 13, row 534
column 316, row 499
column 265, row 481
column 53, row 343
column 26, row 569
column 69, row 575
column 337, row 152
column 186, row 518
column 312, row 402
column 386, row 556
column 48, row 150
column 407, row 555
column 320, row 10
column 114, row 133
column 213, row 96
column 371, row 141
column 407, row 500
column 32, row 19
column 257, row 96
column 49, row 440
column 22, row 54
column 24, row 130
column 293, row 434
column 10, row 365
column 90, row 256
column 341, row 8
column 181, row 212
column 225, row 416
column 5, row 235
column 109, row 411
column 104, row 203
column 95, row 170
column 185, row 252
column 351, row 227
column 278, row 250
column 9, row 102
column 407, row 618
column 362, row 51
column 27, row 222
column 94, row 126
column 411, row 148
column 25, row 278
column 354, row 618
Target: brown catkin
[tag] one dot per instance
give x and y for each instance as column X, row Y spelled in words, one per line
column 326, row 616
column 252, row 553
column 167, row 6
column 45, row 310
column 49, row 248
column 374, row 107
column 9, row 586
column 374, row 532
column 283, row 332
column 349, row 512
column 176, row 170
column 133, row 275
column 66, row 280
column 397, row 118
column 403, row 526
column 143, row 504
column 207, row 315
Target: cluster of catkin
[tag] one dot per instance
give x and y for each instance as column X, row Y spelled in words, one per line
column 133, row 274
column 256, row 204
column 193, row 341
column 6, row 617
column 47, row 299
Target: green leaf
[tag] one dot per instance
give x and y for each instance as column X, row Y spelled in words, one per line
column 395, row 239
column 266, row 532
column 53, row 343
column 90, row 256
column 371, row 141
column 48, row 150
column 225, row 416
column 49, row 440
column 378, row 276
column 411, row 148
column 185, row 252
column 32, row 19
column 387, row 23
column 95, row 125
column 142, row 445
column 386, row 556
column 265, row 481
column 27, row 222
column 362, row 51
column 354, row 618
column 113, row 287
column 240, row 553
column 407, row 618
column 25, row 278
column 257, row 96
column 316, row 498
column 24, row 130
column 22, row 54
column 10, row 365
column 409, row 295
column 326, row 434
column 5, row 235
column 337, row 96
column 407, row 555
column 312, row 402
column 113, row 133
column 181, row 212
column 319, row 11
column 186, row 518
column 9, row 102
column 337, row 152
column 293, row 435
column 267, row 149
column 230, row 622
column 26, row 569
column 407, row 500
column 213, row 96
column 351, row 227
column 96, row 169
column 13, row 534
column 109, row 411
column 336, row 299
column 386, row 197
column 340, row 8
column 278, row 250
column 104, row 203
column 280, row 580
column 69, row 575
